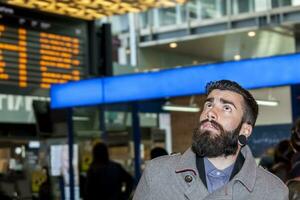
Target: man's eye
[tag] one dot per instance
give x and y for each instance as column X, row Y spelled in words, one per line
column 227, row 108
column 208, row 105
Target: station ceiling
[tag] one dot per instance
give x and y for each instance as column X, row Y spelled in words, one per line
column 223, row 47
column 93, row 9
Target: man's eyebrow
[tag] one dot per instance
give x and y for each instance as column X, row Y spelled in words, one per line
column 224, row 101
column 210, row 99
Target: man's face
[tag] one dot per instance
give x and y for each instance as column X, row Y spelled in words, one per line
column 220, row 124
column 224, row 107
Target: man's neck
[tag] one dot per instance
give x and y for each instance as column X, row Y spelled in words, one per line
column 223, row 162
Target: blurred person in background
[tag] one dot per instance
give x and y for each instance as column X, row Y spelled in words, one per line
column 106, row 179
column 294, row 175
column 157, row 152
column 295, row 136
column 293, row 182
column 4, row 196
column 45, row 191
column 219, row 165
column 282, row 160
column 267, row 159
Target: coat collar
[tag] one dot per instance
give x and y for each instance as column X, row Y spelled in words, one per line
column 247, row 174
column 187, row 166
column 187, row 162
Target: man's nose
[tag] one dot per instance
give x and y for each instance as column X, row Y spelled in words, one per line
column 211, row 115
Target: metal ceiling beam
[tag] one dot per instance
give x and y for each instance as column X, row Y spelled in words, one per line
column 92, row 9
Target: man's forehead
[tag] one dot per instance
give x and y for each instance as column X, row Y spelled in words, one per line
column 225, row 94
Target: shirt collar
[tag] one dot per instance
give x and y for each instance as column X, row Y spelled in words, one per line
column 236, row 168
column 210, row 169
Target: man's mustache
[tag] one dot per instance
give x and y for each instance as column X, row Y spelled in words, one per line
column 215, row 124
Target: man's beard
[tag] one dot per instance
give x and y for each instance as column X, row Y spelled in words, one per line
column 212, row 145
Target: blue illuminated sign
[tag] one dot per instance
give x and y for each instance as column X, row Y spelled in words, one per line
column 85, row 92
column 250, row 73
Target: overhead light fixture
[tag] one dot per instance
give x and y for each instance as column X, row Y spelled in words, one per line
column 34, row 144
column 180, row 108
column 251, row 33
column 173, row 45
column 18, row 150
column 267, row 102
column 192, row 107
column 237, row 57
column 80, row 118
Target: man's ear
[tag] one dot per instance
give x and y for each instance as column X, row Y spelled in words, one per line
column 246, row 129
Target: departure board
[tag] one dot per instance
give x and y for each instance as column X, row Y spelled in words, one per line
column 37, row 50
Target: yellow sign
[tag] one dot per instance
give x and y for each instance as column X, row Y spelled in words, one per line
column 37, row 178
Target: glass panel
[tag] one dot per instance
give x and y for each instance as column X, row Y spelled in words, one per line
column 294, row 3
column 242, row 6
column 261, row 5
column 286, row 3
column 280, row 3
column 120, row 24
column 194, row 9
column 275, row 3
column 116, row 121
column 181, row 13
column 167, row 16
column 144, row 19
column 86, row 122
column 213, row 9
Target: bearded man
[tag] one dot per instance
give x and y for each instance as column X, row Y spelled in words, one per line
column 219, row 165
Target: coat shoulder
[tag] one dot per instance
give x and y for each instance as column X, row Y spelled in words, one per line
column 271, row 178
column 164, row 160
column 156, row 178
column 162, row 165
column 272, row 182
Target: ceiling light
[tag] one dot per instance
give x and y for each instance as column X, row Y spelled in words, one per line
column 34, row 144
column 18, row 150
column 237, row 57
column 171, row 107
column 173, row 45
column 80, row 118
column 251, row 33
column 267, row 102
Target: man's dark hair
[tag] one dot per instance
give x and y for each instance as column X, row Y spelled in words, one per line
column 157, row 152
column 251, row 107
column 100, row 153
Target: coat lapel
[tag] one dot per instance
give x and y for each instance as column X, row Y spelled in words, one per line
column 247, row 174
column 187, row 177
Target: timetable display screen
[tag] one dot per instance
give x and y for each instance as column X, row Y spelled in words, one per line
column 37, row 50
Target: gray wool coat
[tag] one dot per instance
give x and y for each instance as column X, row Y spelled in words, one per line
column 176, row 177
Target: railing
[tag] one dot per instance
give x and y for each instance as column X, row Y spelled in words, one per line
column 197, row 10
